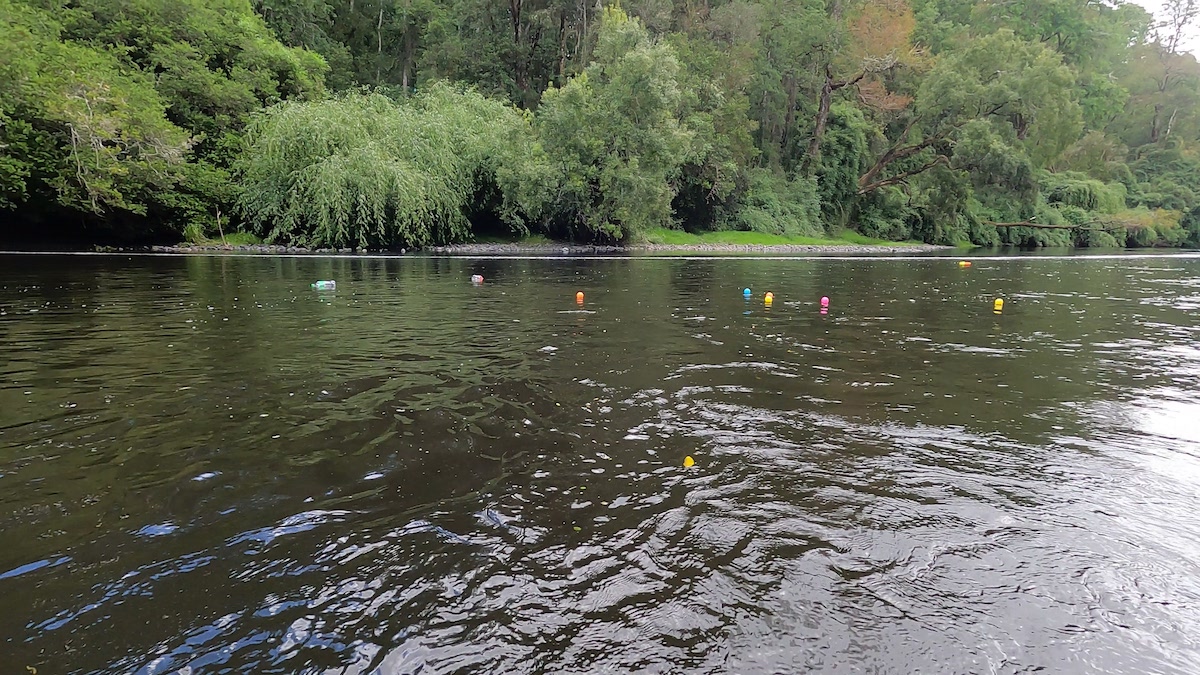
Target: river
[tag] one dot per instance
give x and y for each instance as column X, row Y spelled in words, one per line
column 206, row 466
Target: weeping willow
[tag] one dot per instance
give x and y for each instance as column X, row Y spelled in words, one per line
column 364, row 170
column 1076, row 189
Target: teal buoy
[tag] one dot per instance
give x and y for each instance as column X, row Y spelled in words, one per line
column 746, row 293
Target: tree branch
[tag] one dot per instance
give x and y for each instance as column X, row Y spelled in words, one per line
column 894, row 153
column 903, row 176
column 867, row 182
column 1109, row 226
column 841, row 84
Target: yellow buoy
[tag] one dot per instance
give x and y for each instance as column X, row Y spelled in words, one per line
column 688, row 462
column 998, row 306
column 769, row 298
column 964, row 263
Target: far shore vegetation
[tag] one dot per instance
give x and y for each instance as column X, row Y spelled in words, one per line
column 656, row 237
column 382, row 124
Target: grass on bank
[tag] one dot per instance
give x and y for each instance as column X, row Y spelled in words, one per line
column 528, row 240
column 665, row 237
column 231, row 239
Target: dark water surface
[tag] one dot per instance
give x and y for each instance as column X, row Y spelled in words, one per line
column 208, row 467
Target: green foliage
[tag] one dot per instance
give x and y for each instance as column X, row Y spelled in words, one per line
column 613, row 135
column 1033, row 93
column 774, row 204
column 844, row 157
column 932, row 119
column 214, row 61
column 363, row 170
column 128, row 112
column 1143, row 227
column 77, row 125
column 716, row 170
column 1077, row 190
column 885, row 215
column 1093, row 238
column 942, row 210
column 670, row 237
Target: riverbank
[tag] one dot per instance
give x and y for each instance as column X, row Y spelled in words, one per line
column 566, row 249
column 546, row 249
column 656, row 241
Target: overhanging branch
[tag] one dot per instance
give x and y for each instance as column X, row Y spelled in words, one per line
column 902, row 176
column 1108, row 226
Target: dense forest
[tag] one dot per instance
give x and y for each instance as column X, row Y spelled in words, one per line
column 386, row 123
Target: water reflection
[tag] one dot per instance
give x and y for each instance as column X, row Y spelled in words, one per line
column 206, row 464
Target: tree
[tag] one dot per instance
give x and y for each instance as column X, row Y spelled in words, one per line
column 77, row 127
column 714, row 108
column 146, row 100
column 1000, row 79
column 613, row 135
column 877, row 40
column 789, row 32
column 364, row 170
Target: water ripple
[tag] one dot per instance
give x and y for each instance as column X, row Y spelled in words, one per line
column 208, row 468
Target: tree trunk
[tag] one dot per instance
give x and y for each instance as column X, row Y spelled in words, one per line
column 1022, row 126
column 379, row 37
column 520, row 75
column 764, row 128
column 411, row 34
column 813, row 157
column 408, row 59
column 789, row 116
column 562, row 47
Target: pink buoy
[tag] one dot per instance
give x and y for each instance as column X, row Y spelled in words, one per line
column 824, row 301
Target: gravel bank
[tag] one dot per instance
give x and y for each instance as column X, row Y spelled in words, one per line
column 263, row 248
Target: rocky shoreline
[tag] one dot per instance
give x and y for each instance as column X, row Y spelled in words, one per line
column 266, row 249
column 540, row 249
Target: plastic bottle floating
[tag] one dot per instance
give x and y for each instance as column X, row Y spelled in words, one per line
column 688, row 462
column 477, row 278
column 579, row 297
column 998, row 306
column 745, row 292
column 325, row 285
column 964, row 263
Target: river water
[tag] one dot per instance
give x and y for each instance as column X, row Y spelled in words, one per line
column 207, row 467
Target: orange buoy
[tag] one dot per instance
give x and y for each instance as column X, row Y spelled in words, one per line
column 579, row 297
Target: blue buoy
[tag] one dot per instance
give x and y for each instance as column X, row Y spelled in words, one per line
column 746, row 293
